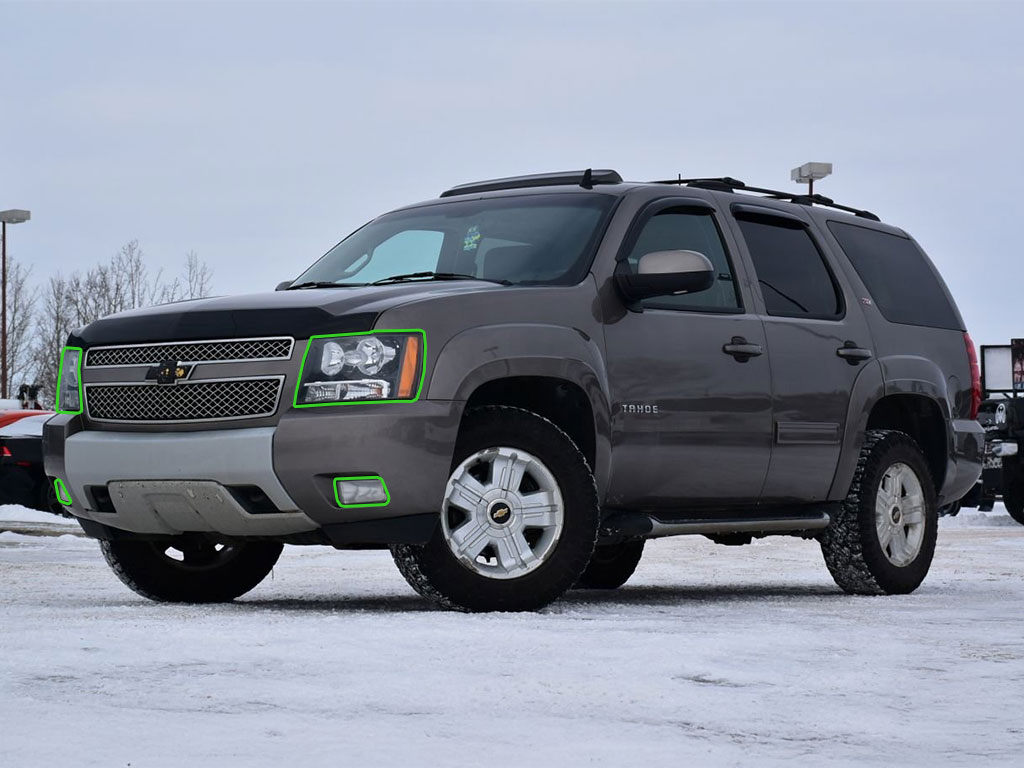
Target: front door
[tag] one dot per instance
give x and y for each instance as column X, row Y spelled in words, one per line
column 689, row 378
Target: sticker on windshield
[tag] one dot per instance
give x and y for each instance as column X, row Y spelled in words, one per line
column 472, row 239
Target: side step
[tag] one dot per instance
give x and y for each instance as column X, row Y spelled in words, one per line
column 635, row 524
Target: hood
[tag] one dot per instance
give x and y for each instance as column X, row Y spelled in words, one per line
column 299, row 313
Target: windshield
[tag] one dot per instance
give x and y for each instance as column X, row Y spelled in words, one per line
column 533, row 239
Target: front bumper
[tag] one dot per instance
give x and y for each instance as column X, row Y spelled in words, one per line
column 164, row 483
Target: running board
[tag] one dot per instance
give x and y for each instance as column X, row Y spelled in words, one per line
column 644, row 526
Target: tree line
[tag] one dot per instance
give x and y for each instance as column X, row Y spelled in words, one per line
column 39, row 318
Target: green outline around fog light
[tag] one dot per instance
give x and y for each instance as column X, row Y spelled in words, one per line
column 387, row 493
column 63, row 494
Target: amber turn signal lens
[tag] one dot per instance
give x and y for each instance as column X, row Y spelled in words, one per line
column 410, row 368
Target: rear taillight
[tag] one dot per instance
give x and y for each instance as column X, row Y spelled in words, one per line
column 972, row 357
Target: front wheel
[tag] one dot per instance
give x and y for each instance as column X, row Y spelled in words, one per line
column 883, row 538
column 519, row 517
column 191, row 569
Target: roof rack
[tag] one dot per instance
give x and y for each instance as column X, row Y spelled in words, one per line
column 729, row 184
column 586, row 179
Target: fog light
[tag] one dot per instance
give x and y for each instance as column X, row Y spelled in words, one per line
column 364, row 491
column 63, row 496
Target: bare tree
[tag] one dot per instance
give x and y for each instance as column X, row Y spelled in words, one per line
column 21, row 307
column 122, row 283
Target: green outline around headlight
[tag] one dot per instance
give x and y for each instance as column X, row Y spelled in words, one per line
column 376, row 332
column 60, row 376
column 63, row 494
column 387, row 493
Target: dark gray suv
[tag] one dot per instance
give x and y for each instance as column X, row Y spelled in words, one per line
column 515, row 385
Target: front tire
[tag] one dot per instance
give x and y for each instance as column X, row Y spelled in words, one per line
column 883, row 539
column 192, row 569
column 518, row 522
column 1013, row 499
column 611, row 565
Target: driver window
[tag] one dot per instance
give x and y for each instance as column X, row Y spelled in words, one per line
column 675, row 229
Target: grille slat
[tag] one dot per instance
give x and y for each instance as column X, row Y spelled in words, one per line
column 186, row 401
column 227, row 350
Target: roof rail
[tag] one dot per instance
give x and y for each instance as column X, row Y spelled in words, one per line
column 586, row 179
column 729, row 184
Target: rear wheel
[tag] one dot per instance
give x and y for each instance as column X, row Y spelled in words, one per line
column 1013, row 500
column 611, row 565
column 191, row 569
column 883, row 538
column 518, row 521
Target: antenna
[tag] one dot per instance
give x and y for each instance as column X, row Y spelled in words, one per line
column 587, row 182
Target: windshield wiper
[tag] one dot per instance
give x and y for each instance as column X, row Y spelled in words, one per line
column 318, row 284
column 434, row 276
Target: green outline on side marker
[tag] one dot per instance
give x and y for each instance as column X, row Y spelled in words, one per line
column 378, row 331
column 60, row 376
column 63, row 494
column 337, row 496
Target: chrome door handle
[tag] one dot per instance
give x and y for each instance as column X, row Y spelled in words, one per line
column 853, row 354
column 742, row 349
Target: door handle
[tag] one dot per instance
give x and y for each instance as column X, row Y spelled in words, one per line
column 742, row 349
column 853, row 354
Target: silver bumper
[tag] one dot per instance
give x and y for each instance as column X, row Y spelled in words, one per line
column 171, row 483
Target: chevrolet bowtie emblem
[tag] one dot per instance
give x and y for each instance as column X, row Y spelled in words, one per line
column 168, row 372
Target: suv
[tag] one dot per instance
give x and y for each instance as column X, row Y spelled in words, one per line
column 517, row 384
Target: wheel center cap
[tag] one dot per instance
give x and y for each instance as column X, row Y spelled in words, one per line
column 500, row 512
column 896, row 515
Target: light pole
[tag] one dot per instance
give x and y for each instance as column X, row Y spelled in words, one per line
column 808, row 172
column 13, row 216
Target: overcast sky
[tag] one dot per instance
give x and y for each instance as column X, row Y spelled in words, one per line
column 259, row 134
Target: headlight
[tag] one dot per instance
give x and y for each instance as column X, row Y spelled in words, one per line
column 381, row 366
column 69, row 381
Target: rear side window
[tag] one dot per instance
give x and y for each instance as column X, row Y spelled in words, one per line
column 897, row 274
column 790, row 270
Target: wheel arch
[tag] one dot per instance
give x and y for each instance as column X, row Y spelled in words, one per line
column 553, row 371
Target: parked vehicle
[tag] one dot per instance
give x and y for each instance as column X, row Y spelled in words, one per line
column 516, row 385
column 22, row 479
column 1002, row 416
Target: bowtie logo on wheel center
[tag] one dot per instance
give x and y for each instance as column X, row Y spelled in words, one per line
column 499, row 512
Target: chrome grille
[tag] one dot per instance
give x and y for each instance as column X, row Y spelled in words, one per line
column 226, row 350
column 186, row 401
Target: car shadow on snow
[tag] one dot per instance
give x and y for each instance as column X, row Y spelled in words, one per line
column 632, row 597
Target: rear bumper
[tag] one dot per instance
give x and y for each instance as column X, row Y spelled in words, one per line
column 964, row 466
column 164, row 483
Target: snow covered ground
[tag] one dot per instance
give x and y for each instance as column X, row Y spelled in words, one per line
column 709, row 656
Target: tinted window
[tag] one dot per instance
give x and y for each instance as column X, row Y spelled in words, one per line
column 790, row 270
column 897, row 274
column 675, row 229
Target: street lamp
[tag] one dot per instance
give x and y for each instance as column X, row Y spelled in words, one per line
column 13, row 216
column 808, row 172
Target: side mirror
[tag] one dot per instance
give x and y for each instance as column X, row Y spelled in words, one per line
column 664, row 273
column 283, row 285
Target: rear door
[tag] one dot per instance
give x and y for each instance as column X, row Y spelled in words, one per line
column 819, row 342
column 691, row 421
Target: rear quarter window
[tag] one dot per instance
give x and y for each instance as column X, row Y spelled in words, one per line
column 902, row 282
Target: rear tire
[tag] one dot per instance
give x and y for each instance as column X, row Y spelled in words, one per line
column 1013, row 500
column 883, row 539
column 518, row 522
column 191, row 569
column 611, row 565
